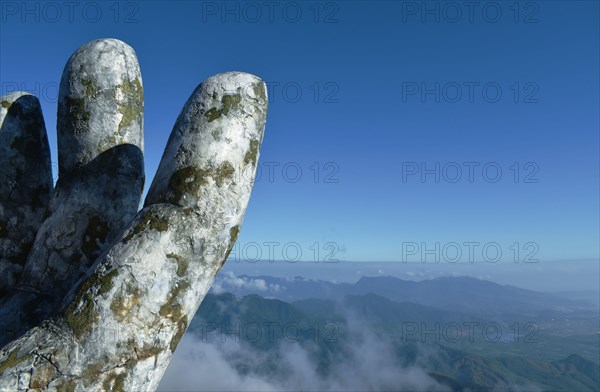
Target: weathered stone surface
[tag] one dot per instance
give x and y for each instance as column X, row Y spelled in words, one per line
column 25, row 182
column 121, row 323
column 100, row 104
column 101, row 178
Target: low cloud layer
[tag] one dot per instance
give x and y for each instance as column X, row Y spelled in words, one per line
column 358, row 356
column 369, row 364
column 229, row 281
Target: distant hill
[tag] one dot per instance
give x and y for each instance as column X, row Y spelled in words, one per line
column 573, row 373
column 381, row 310
column 452, row 293
column 460, row 367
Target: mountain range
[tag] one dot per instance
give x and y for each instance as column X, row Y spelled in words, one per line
column 546, row 342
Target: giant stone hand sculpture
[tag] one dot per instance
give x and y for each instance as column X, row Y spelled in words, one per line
column 95, row 295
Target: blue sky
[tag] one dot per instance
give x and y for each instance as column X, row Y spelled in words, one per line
column 346, row 82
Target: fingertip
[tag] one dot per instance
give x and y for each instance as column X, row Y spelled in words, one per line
column 213, row 149
column 101, row 102
column 25, row 181
column 24, row 143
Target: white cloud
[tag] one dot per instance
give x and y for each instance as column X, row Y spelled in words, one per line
column 229, row 281
column 199, row 366
column 368, row 363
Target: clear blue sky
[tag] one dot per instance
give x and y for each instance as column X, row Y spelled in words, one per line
column 360, row 71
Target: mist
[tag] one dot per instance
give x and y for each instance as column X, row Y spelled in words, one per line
column 368, row 363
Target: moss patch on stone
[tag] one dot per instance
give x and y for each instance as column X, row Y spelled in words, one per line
column 89, row 87
column 133, row 104
column 150, row 221
column 181, row 327
column 229, row 103
column 212, row 114
column 148, row 351
column 115, row 382
column 70, row 386
column 182, row 264
column 13, row 360
column 42, row 376
column 233, row 235
column 252, row 153
column 223, row 172
column 123, row 302
column 81, row 319
column 106, row 282
column 78, row 116
column 259, row 90
column 189, row 180
column 91, row 374
column 119, row 384
column 172, row 309
column 5, row 104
